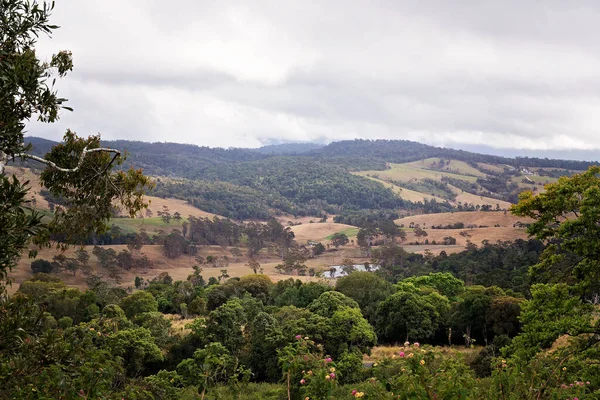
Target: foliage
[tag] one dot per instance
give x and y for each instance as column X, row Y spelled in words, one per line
column 77, row 170
column 566, row 214
column 444, row 283
column 367, row 289
column 407, row 315
column 138, row 303
column 552, row 312
column 41, row 266
column 330, row 302
column 423, row 373
column 136, row 347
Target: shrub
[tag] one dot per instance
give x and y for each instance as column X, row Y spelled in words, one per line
column 41, row 266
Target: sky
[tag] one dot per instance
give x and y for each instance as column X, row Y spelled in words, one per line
column 496, row 74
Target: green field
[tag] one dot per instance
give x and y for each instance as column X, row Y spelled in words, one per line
column 151, row 224
column 350, row 232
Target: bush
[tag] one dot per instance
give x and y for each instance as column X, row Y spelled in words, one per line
column 65, row 322
column 42, row 266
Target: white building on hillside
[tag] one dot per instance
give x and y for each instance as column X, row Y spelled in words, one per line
column 339, row 272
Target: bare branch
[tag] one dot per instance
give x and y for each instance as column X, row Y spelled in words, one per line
column 81, row 158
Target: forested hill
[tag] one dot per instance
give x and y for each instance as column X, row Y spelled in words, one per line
column 348, row 152
column 310, row 179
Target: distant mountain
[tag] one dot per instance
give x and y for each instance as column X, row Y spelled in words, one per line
column 312, row 179
column 289, row 148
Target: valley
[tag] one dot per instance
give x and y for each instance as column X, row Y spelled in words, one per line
column 417, row 185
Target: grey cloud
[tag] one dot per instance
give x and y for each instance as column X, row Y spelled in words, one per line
column 232, row 73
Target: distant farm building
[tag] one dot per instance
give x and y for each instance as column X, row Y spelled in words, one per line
column 337, row 271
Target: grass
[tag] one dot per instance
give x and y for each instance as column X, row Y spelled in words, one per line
column 350, row 232
column 404, row 193
column 154, row 223
column 380, row 352
column 455, row 166
column 407, row 172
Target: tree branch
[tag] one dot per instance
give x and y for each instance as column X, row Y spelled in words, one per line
column 81, row 158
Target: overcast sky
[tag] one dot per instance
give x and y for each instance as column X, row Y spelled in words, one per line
column 507, row 74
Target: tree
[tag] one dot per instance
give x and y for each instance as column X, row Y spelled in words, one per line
column 138, row 303
column 552, row 312
column 349, row 330
column 225, row 324
column 329, row 302
column 41, row 266
column 566, row 217
column 136, row 347
column 348, row 265
column 419, row 232
column 367, row 289
column 165, row 214
column 254, row 265
column 443, row 282
column 265, row 338
column 224, row 275
column 79, row 170
column 236, row 253
column 318, row 249
column 177, row 216
column 406, row 316
column 339, row 239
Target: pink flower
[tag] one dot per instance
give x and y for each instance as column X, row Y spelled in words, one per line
column 575, row 398
column 416, row 344
column 587, row 383
column 401, row 354
column 302, row 381
column 353, row 392
column 328, row 360
column 298, row 337
column 332, row 375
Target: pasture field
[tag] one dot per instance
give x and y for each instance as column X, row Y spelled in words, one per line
column 454, row 166
column 488, row 218
column 406, row 194
column 491, row 167
column 466, row 197
column 475, row 235
column 321, row 231
column 350, row 232
column 407, row 172
column 181, row 267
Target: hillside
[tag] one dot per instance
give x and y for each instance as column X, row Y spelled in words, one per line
column 310, row 180
column 479, row 218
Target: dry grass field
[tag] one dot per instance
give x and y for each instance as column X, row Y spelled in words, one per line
column 465, row 197
column 487, row 218
column 320, row 231
column 180, row 268
column 455, row 166
column 491, row 167
column 410, row 171
column 406, row 194
column 477, row 235
column 181, row 206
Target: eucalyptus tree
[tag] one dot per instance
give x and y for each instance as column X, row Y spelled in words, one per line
column 78, row 170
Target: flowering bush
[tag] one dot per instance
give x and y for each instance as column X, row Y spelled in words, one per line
column 546, row 376
column 308, row 374
column 422, row 372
